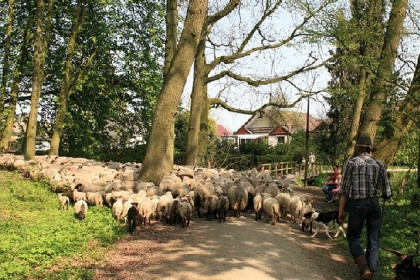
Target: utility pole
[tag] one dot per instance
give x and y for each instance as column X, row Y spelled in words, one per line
column 307, row 145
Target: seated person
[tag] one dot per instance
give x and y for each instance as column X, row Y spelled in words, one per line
column 332, row 183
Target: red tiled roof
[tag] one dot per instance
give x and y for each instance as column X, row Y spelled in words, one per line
column 222, row 131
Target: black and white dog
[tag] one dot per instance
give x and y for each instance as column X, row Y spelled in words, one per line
column 325, row 220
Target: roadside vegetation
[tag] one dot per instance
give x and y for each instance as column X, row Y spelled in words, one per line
column 39, row 241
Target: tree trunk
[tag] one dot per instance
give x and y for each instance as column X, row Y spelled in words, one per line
column 171, row 19
column 41, row 44
column 158, row 159
column 409, row 111
column 383, row 80
column 5, row 74
column 197, row 97
column 357, row 111
column 203, row 137
column 66, row 91
column 17, row 77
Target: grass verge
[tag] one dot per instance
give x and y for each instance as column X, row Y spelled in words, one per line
column 39, row 241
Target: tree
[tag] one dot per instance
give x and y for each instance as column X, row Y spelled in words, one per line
column 159, row 155
column 253, row 42
column 41, row 45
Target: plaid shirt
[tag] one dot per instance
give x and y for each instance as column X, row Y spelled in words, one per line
column 365, row 177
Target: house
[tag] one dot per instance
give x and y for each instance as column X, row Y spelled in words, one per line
column 274, row 126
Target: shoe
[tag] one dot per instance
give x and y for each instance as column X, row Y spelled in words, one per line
column 329, row 201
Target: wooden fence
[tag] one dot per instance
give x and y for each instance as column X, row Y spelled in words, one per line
column 280, row 169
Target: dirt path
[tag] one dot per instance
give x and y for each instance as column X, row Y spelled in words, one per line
column 237, row 249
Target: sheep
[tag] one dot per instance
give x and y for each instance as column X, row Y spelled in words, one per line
column 222, row 207
column 80, row 209
column 146, row 210
column 173, row 214
column 305, row 222
column 407, row 268
column 63, row 200
column 296, row 204
column 126, row 206
column 272, row 189
column 94, row 198
column 132, row 216
column 238, row 199
column 284, row 203
column 271, row 209
column 78, row 195
column 210, row 205
column 257, row 206
column 117, row 209
column 201, row 192
column 163, row 206
column 185, row 211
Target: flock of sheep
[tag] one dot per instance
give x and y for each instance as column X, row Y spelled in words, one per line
column 186, row 190
column 209, row 192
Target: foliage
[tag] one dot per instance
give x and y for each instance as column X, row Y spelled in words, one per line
column 409, row 149
column 37, row 237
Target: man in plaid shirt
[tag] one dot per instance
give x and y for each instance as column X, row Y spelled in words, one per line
column 365, row 180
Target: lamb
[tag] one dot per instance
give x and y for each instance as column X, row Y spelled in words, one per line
column 238, row 199
column 306, row 209
column 210, row 205
column 185, row 211
column 271, row 208
column 63, row 200
column 222, row 207
column 117, row 209
column 258, row 206
column 132, row 216
column 80, row 209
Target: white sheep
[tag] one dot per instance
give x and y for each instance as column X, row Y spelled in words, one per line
column 94, row 198
column 296, row 204
column 222, row 207
column 126, row 206
column 117, row 209
column 284, row 203
column 146, row 210
column 78, row 195
column 163, row 206
column 257, row 205
column 80, row 209
column 185, row 211
column 238, row 199
column 63, row 200
column 271, row 209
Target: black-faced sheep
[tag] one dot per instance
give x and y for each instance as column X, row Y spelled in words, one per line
column 238, row 199
column 80, row 209
column 63, row 201
column 222, row 207
column 271, row 209
column 407, row 269
column 210, row 205
column 132, row 216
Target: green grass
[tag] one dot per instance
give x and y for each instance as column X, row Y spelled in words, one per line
column 39, row 241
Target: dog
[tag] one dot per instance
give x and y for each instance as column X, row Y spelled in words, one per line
column 325, row 220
